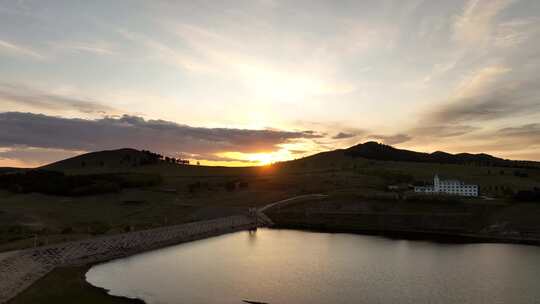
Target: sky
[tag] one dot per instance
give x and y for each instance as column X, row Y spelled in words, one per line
column 260, row 81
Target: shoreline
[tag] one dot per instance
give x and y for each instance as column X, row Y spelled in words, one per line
column 429, row 236
column 413, row 235
column 438, row 237
column 104, row 291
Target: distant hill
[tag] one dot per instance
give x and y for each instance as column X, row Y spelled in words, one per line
column 377, row 151
column 10, row 170
column 117, row 159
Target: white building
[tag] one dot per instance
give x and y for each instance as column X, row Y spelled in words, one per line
column 451, row 186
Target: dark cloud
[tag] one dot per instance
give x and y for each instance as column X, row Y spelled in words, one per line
column 391, row 139
column 494, row 105
column 492, row 94
column 49, row 132
column 22, row 95
column 524, row 137
column 298, row 151
column 343, row 135
column 531, row 131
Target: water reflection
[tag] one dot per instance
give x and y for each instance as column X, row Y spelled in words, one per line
column 252, row 236
column 287, row 266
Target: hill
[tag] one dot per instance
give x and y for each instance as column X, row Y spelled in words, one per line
column 111, row 159
column 377, row 151
column 124, row 159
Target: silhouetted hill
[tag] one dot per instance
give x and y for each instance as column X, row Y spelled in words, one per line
column 377, row 151
column 121, row 158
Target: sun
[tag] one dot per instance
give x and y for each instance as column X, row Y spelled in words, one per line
column 260, row 159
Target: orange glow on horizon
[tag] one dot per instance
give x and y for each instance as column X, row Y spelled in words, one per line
column 263, row 158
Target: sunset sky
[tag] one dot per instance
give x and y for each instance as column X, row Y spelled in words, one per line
column 251, row 82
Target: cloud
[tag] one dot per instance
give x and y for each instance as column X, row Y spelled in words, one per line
column 21, row 95
column 475, row 24
column 11, row 48
column 167, row 53
column 529, row 131
column 98, row 48
column 391, row 139
column 502, row 102
column 298, row 152
column 442, row 130
column 343, row 135
column 488, row 94
column 49, row 132
column 514, row 141
column 515, row 32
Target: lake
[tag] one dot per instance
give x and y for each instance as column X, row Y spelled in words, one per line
column 289, row 266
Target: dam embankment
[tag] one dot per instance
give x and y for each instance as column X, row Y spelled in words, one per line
column 19, row 269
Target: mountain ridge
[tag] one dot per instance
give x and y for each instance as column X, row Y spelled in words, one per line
column 378, row 151
column 128, row 157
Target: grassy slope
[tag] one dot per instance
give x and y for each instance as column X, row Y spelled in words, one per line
column 484, row 176
column 67, row 285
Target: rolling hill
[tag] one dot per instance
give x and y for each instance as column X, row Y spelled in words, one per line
column 110, row 159
column 377, row 151
column 126, row 158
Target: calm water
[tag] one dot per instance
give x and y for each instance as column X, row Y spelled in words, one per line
column 287, row 266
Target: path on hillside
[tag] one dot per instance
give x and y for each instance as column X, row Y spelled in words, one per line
column 285, row 202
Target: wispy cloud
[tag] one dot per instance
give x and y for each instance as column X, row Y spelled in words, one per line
column 343, row 135
column 22, row 95
column 515, row 32
column 475, row 24
column 18, row 50
column 166, row 53
column 528, row 131
column 442, row 131
column 98, row 48
column 486, row 95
